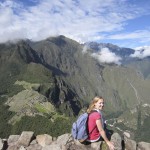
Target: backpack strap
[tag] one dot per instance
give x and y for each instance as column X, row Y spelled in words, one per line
column 92, row 130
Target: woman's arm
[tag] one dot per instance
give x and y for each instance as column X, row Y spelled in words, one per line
column 103, row 134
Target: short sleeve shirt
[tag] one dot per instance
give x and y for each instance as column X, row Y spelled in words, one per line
column 92, row 127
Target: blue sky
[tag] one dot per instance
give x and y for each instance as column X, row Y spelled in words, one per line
column 121, row 22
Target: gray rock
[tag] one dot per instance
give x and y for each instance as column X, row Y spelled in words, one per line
column 25, row 138
column 116, row 139
column 33, row 142
column 77, row 143
column 96, row 145
column 54, row 138
column 22, row 148
column 64, row 139
column 44, row 139
column 34, row 147
column 52, row 147
column 143, row 146
column 130, row 144
column 12, row 140
column 13, row 147
column 1, row 144
column 127, row 134
column 77, row 147
column 80, row 146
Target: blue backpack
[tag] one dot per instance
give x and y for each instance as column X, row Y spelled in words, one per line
column 79, row 128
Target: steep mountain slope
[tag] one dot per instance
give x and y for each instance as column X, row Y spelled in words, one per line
column 55, row 77
column 21, row 62
column 30, row 88
column 88, row 77
column 141, row 65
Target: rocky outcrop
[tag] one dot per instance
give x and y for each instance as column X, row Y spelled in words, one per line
column 27, row 141
column 1, row 144
column 143, row 146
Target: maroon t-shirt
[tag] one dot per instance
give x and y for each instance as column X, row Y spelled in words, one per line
column 92, row 127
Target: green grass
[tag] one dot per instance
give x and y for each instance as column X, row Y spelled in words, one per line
column 40, row 108
column 143, row 132
column 45, row 107
column 5, row 115
column 42, row 125
column 36, row 73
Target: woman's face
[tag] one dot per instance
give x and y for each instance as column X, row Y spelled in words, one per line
column 99, row 104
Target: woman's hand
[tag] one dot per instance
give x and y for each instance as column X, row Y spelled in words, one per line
column 103, row 134
column 111, row 145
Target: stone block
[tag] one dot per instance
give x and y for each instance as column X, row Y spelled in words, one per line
column 117, row 140
column 52, row 147
column 25, row 138
column 34, row 147
column 143, row 146
column 130, row 144
column 64, row 139
column 13, row 139
column 1, row 144
column 44, row 139
column 96, row 145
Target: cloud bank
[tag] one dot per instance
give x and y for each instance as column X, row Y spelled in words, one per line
column 106, row 56
column 86, row 20
column 103, row 55
column 141, row 52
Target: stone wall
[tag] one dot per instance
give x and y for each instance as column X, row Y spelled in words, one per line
column 28, row 141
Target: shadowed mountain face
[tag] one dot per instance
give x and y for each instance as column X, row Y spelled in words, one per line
column 68, row 78
column 20, row 62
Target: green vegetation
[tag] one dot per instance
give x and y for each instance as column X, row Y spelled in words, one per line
column 7, row 86
column 110, row 115
column 45, row 107
column 40, row 108
column 142, row 66
column 43, row 125
column 104, row 146
column 52, row 124
column 5, row 115
column 143, row 131
column 123, row 127
column 36, row 73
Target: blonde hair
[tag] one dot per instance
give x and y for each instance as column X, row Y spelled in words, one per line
column 92, row 104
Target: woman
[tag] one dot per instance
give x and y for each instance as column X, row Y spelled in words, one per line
column 95, row 122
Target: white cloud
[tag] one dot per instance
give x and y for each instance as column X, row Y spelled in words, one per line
column 134, row 35
column 103, row 55
column 83, row 21
column 141, row 52
column 106, row 56
column 85, row 49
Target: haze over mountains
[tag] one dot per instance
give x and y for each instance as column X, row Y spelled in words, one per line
column 59, row 76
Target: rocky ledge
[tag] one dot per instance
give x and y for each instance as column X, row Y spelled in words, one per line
column 28, row 141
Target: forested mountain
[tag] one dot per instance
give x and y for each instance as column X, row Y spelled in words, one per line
column 54, row 79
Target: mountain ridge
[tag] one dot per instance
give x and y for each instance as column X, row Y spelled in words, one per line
column 70, row 78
